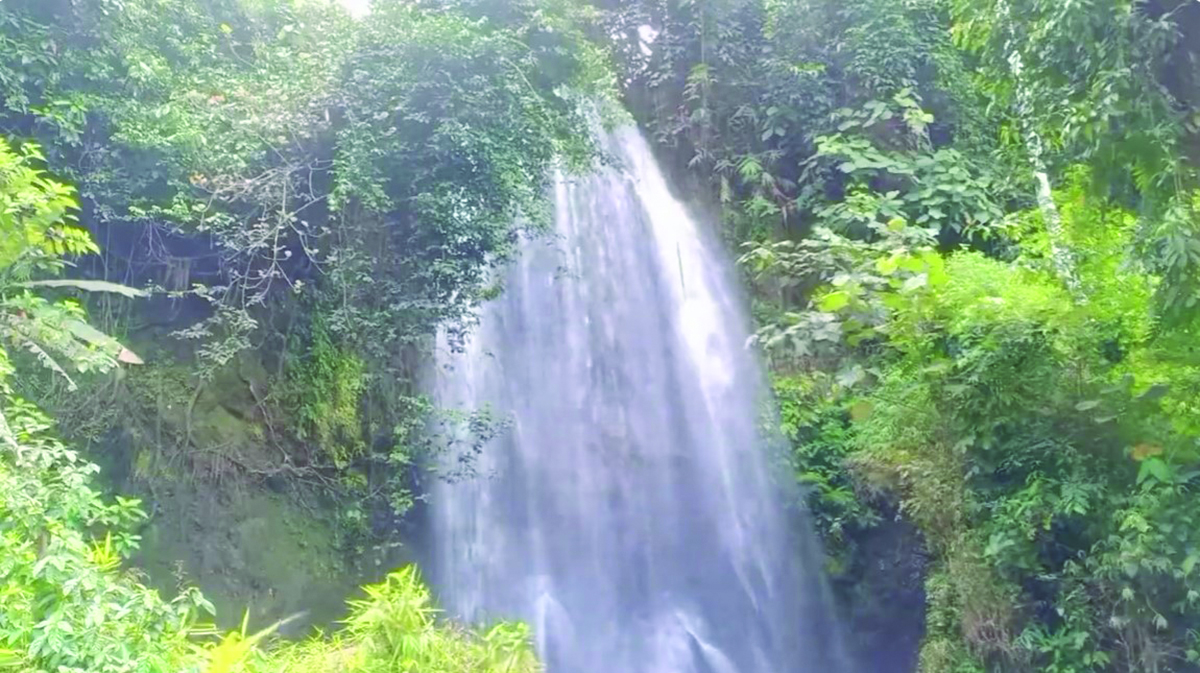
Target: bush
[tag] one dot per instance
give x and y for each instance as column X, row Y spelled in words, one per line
column 1042, row 439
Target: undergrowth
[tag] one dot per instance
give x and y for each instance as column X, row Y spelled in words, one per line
column 1043, row 442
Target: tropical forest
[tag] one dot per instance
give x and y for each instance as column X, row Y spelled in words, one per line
column 599, row 336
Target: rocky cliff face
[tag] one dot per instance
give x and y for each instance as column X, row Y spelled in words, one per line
column 883, row 599
column 231, row 508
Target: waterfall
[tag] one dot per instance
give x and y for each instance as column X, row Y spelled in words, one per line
column 628, row 512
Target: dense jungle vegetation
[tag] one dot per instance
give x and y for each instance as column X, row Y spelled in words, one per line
column 230, row 228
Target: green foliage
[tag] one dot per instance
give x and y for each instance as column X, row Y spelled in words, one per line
column 447, row 140
column 37, row 235
column 752, row 92
column 822, row 437
column 943, row 650
column 35, row 210
column 336, row 190
column 435, row 442
column 1094, row 76
column 275, row 157
column 396, row 628
column 1108, row 84
column 314, row 149
column 325, row 394
column 865, row 281
column 67, row 604
column 885, row 147
column 1031, row 437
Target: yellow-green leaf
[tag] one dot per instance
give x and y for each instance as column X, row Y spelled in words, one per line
column 834, row 301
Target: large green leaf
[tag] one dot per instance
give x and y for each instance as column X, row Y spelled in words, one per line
column 1154, row 467
column 834, row 301
column 85, row 332
column 90, row 286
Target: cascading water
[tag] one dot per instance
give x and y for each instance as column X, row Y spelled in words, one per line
column 628, row 513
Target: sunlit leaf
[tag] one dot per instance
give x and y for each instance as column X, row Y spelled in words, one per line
column 834, row 301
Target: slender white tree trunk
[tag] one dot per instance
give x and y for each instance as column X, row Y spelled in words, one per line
column 1060, row 254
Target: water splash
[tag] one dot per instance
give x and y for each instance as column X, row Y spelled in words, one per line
column 628, row 514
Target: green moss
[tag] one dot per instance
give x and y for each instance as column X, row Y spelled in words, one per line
column 251, row 552
column 944, row 650
column 325, row 389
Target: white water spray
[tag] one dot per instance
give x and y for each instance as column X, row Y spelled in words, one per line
column 628, row 514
